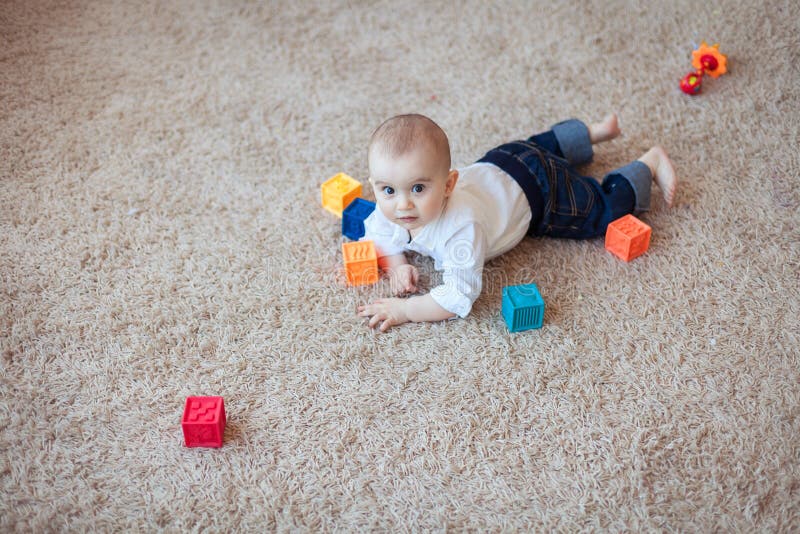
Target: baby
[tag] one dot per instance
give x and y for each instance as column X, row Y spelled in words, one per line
column 463, row 218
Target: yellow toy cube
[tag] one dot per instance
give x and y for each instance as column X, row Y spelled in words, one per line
column 338, row 192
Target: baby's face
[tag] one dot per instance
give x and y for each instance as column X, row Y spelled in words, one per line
column 410, row 189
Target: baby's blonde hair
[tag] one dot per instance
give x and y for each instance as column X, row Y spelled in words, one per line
column 401, row 134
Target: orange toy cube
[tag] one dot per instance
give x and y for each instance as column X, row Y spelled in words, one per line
column 360, row 262
column 628, row 237
column 338, row 192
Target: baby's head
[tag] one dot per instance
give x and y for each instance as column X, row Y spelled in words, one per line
column 409, row 168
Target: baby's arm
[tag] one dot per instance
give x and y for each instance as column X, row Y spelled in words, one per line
column 402, row 275
column 395, row 311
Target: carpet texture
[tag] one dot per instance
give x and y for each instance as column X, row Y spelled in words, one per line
column 161, row 236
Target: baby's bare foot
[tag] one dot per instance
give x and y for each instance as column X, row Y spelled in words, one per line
column 663, row 172
column 606, row 130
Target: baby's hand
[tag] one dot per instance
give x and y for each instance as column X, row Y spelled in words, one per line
column 403, row 279
column 391, row 311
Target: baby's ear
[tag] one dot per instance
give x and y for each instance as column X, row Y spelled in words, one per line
column 452, row 178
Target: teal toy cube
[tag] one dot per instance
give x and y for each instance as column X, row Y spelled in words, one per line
column 353, row 218
column 523, row 307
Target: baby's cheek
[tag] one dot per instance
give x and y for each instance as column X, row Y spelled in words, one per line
column 386, row 208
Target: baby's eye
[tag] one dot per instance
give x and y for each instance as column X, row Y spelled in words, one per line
column 388, row 190
column 418, row 188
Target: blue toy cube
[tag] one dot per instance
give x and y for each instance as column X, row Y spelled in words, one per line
column 523, row 307
column 353, row 218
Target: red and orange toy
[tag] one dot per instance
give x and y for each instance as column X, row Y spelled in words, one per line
column 628, row 237
column 706, row 60
column 360, row 262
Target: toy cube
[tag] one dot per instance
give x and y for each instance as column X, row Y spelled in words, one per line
column 360, row 262
column 628, row 237
column 523, row 307
column 338, row 192
column 203, row 421
column 353, row 218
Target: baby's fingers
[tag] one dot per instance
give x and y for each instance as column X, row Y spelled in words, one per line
column 375, row 319
column 402, row 290
column 365, row 310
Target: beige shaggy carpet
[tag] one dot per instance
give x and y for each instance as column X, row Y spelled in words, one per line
column 161, row 236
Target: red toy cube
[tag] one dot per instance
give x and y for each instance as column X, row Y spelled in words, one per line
column 203, row 421
column 628, row 237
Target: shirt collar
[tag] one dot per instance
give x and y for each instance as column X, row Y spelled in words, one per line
column 427, row 236
column 400, row 236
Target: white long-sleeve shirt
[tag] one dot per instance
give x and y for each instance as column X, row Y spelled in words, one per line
column 486, row 215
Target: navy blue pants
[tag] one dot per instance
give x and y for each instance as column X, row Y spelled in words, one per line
column 563, row 202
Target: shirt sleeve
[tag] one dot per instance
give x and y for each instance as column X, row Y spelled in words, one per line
column 378, row 229
column 462, row 277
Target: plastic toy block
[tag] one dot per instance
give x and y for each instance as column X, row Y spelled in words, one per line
column 338, row 192
column 203, row 421
column 523, row 307
column 628, row 237
column 353, row 218
column 360, row 262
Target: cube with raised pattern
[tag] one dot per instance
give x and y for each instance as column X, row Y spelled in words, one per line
column 523, row 307
column 338, row 192
column 360, row 262
column 203, row 421
column 628, row 237
column 353, row 218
